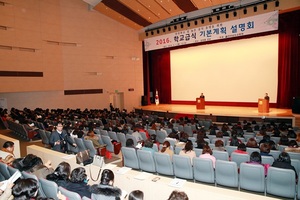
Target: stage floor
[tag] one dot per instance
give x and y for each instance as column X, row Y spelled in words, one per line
column 229, row 111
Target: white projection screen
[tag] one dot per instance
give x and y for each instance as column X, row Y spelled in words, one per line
column 235, row 71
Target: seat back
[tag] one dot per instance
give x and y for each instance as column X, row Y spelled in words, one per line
column 281, row 182
column 70, row 147
column 11, row 170
column 4, row 171
column 226, row 173
column 182, row 167
column 80, row 145
column 294, row 155
column 163, row 163
column 131, row 137
column 296, row 164
column 107, row 141
column 151, row 132
column 113, row 135
column 69, row 194
column 230, row 149
column 45, row 139
column 171, row 140
column 267, row 160
column 203, row 170
column 198, row 151
column 252, row 177
column 188, row 129
column 146, row 160
column 161, row 136
column 275, row 154
column 143, row 134
column 250, row 150
column 178, row 149
column 130, row 158
column 50, row 188
column 239, row 158
column 122, row 139
column 221, row 155
column 90, row 146
column 103, row 132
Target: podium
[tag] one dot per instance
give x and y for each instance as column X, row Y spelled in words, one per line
column 263, row 106
column 200, row 103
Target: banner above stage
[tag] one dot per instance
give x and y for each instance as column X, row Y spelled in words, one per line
column 235, row 28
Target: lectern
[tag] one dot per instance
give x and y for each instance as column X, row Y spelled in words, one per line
column 263, row 106
column 200, row 103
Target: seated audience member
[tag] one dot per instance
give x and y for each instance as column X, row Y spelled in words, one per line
column 167, row 149
column 93, row 137
column 184, row 137
column 61, row 174
column 35, row 165
column 188, row 151
column 219, row 146
column 207, row 153
column 7, row 193
column 251, row 143
column 291, row 133
column 255, row 159
column 178, row 195
column 25, row 189
column 292, row 147
column 266, row 139
column 9, row 147
column 148, row 146
column 137, row 134
column 106, row 189
column 130, row 143
column 78, row 182
column 242, row 149
column 200, row 141
column 284, row 161
column 234, row 141
column 265, row 149
column 219, row 134
column 284, row 140
column 136, row 195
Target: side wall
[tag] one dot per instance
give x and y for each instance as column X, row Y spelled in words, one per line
column 74, row 48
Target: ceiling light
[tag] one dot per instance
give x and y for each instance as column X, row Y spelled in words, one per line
column 277, row 3
column 227, row 15
column 255, row 9
column 195, row 22
column 210, row 19
column 202, row 21
column 218, row 17
column 234, row 13
column 245, row 11
column 265, row 6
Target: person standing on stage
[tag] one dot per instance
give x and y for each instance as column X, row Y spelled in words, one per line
column 267, row 97
column 202, row 96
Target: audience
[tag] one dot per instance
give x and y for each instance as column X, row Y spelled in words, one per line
column 265, row 149
column 78, row 182
column 106, row 189
column 255, row 159
column 292, row 147
column 207, row 153
column 148, row 146
column 188, row 151
column 167, row 149
column 61, row 175
column 25, row 189
column 178, row 195
column 242, row 149
column 136, row 195
column 219, row 146
column 252, row 143
column 284, row 162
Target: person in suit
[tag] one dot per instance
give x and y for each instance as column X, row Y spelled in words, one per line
column 267, row 97
column 59, row 138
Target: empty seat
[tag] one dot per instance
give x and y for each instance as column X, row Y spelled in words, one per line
column 80, row 145
column 146, row 160
column 130, row 158
column 239, row 158
column 90, row 146
column 221, row 155
column 161, row 136
column 122, row 139
column 267, row 160
column 109, row 146
column 50, row 188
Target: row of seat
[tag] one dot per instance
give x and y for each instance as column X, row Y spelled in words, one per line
column 18, row 129
column 279, row 182
column 46, row 188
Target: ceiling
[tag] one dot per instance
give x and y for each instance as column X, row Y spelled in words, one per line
column 148, row 14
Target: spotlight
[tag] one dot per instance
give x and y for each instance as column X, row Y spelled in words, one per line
column 277, row 3
column 245, row 11
column 234, row 13
column 210, row 19
column 202, row 21
column 195, row 22
column 265, row 6
column 255, row 9
column 218, row 17
column 227, row 15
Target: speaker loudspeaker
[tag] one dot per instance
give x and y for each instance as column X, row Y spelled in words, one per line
column 296, row 105
column 144, row 101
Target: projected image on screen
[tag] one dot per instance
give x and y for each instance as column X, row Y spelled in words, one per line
column 236, row 71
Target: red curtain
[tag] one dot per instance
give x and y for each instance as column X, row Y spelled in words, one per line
column 159, row 76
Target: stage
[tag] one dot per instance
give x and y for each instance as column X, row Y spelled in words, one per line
column 221, row 113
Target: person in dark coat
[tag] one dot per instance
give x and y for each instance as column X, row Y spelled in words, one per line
column 78, row 182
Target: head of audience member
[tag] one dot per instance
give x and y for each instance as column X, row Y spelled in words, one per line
column 178, row 195
column 298, row 137
column 293, row 143
column 78, row 175
column 188, row 146
column 242, row 147
column 62, row 172
column 252, row 143
column 9, row 147
column 25, row 189
column 207, row 149
column 148, row 144
column 129, row 142
column 284, row 157
column 265, row 148
column 107, row 177
column 219, row 134
column 166, row 145
column 284, row 140
column 219, row 143
column 255, row 157
column 136, row 195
